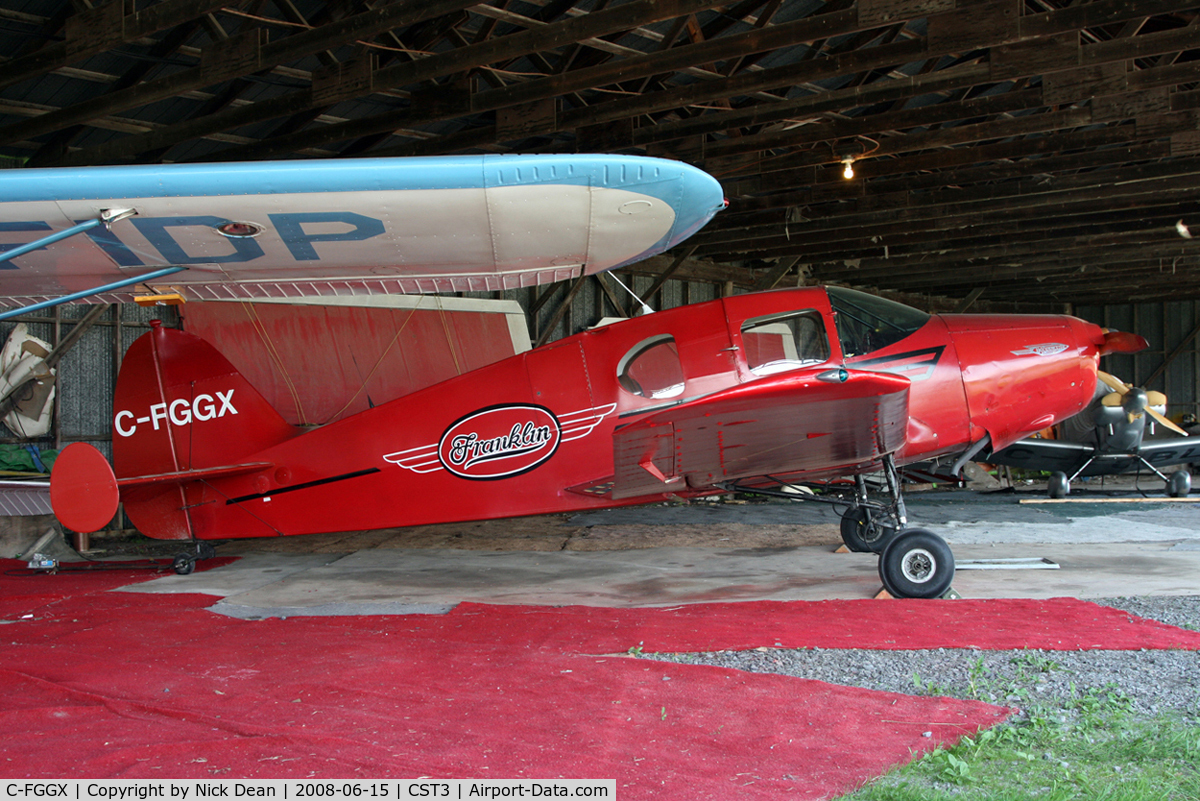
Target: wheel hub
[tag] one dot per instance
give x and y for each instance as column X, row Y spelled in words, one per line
column 918, row 565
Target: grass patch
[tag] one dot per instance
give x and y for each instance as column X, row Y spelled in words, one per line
column 1090, row 747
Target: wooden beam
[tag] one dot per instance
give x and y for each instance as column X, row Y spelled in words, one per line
column 771, row 279
column 596, row 24
column 1183, row 343
column 666, row 274
column 611, row 295
column 969, row 300
column 272, row 54
column 562, row 309
column 82, row 43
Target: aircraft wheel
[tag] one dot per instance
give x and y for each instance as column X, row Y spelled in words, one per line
column 916, row 564
column 184, row 564
column 863, row 533
column 1058, row 486
column 1179, row 484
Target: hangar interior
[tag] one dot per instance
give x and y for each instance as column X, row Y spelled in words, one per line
column 1025, row 156
column 1012, row 155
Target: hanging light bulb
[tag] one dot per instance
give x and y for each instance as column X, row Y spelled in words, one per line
column 848, row 173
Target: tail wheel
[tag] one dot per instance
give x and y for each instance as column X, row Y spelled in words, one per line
column 184, row 564
column 863, row 533
column 916, row 564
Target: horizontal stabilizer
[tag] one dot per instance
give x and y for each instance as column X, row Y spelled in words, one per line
column 184, row 476
column 812, row 420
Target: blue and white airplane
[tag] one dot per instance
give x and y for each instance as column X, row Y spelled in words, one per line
column 338, row 227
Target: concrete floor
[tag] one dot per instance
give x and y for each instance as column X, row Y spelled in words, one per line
column 1100, row 549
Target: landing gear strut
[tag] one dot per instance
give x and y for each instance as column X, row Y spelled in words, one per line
column 869, row 527
column 913, row 562
column 1178, row 484
column 184, row 564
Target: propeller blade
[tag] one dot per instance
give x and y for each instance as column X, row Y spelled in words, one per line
column 1120, row 387
column 1163, row 421
column 1112, row 382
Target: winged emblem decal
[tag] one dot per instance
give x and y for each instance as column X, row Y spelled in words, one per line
column 500, row 441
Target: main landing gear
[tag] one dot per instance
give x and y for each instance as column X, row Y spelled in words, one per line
column 184, row 564
column 913, row 562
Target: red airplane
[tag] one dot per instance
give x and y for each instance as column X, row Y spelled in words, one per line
column 749, row 392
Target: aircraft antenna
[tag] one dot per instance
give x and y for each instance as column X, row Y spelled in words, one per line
column 645, row 308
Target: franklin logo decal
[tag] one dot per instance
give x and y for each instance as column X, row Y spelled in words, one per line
column 500, row 441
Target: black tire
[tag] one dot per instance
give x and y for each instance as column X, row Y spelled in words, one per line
column 184, row 564
column 1179, row 484
column 1059, row 486
column 863, row 533
column 916, row 564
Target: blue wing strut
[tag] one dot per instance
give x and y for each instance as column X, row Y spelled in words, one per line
column 107, row 218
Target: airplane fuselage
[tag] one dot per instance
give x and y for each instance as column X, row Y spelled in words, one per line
column 568, row 426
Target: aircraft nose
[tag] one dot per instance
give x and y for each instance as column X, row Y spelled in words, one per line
column 1136, row 401
column 702, row 197
column 1121, row 342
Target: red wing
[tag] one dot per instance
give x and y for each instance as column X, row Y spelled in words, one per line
column 790, row 423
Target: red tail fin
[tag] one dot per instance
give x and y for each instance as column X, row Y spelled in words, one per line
column 180, row 405
column 181, row 414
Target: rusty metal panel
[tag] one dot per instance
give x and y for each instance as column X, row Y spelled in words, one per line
column 1179, row 379
column 671, row 294
column 85, row 385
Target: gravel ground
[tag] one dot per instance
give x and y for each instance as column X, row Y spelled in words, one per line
column 1153, row 681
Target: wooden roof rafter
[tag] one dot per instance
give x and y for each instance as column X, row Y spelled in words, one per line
column 1036, row 137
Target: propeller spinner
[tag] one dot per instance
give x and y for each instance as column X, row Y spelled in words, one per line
column 1147, row 403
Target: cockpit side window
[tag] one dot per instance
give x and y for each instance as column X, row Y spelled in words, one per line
column 779, row 342
column 867, row 323
column 651, row 368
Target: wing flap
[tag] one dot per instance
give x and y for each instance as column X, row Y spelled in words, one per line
column 790, row 423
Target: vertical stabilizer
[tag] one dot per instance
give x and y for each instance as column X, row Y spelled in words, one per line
column 181, row 407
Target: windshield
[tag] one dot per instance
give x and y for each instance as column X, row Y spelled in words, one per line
column 867, row 323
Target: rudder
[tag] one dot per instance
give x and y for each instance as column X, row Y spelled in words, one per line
column 180, row 407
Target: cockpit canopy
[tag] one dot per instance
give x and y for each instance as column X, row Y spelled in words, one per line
column 867, row 323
